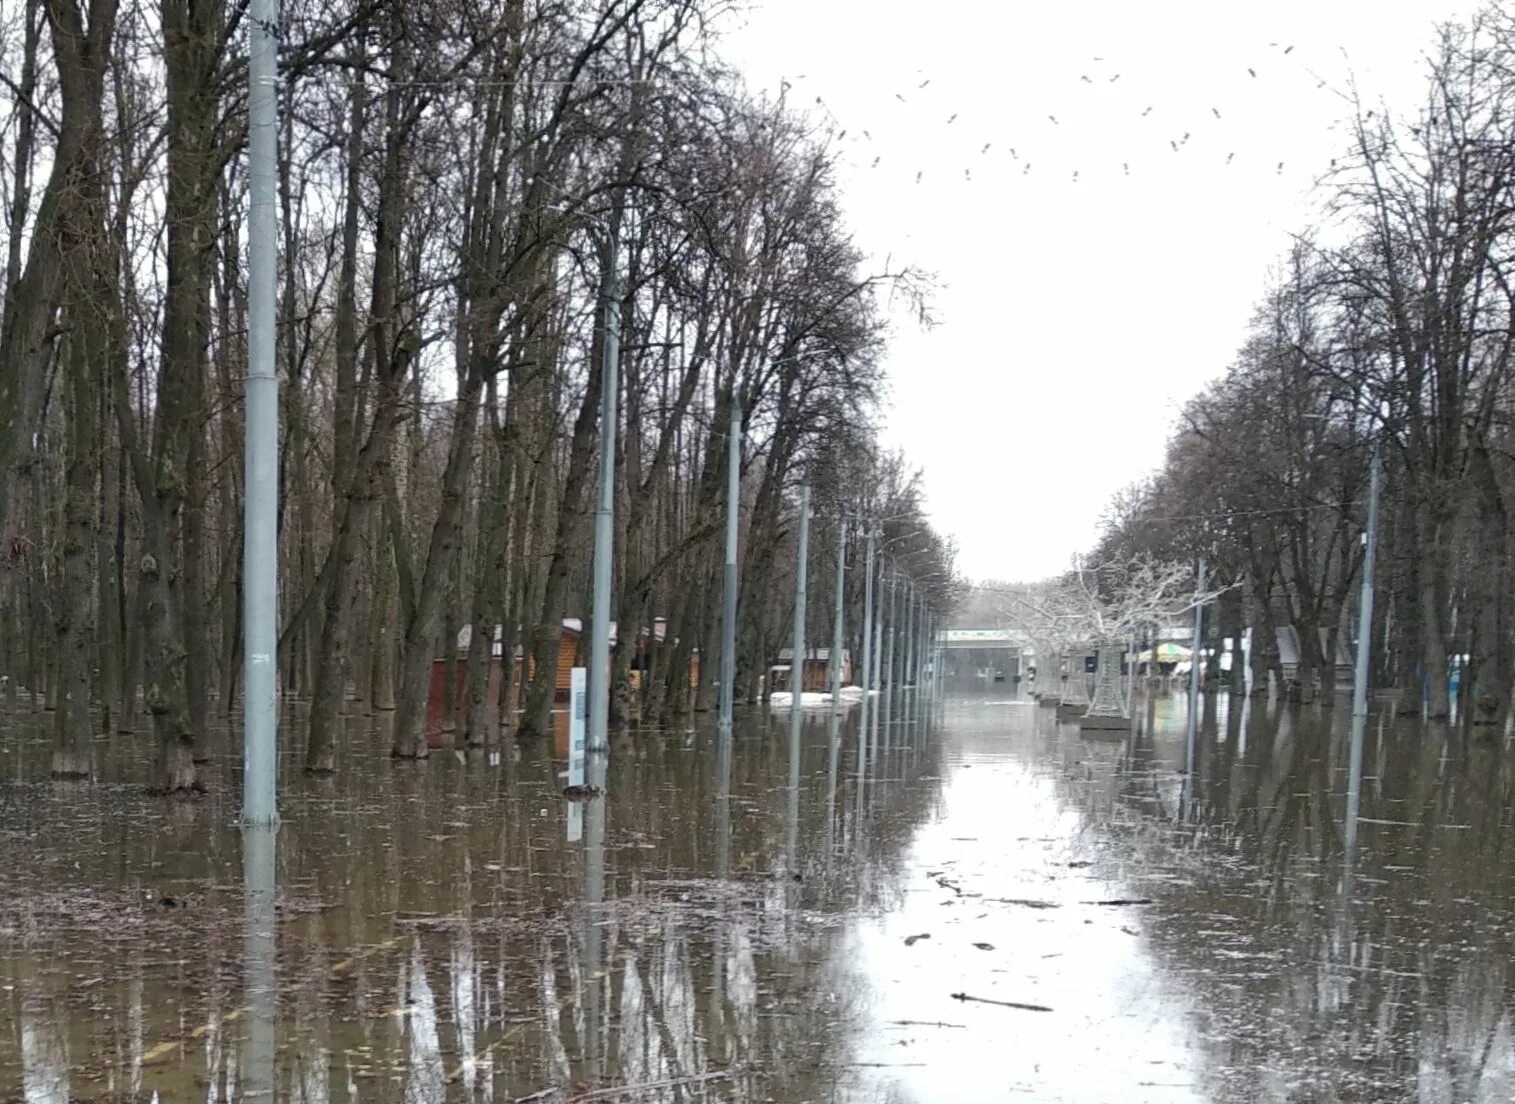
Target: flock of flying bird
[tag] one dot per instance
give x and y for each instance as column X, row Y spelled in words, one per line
column 840, row 133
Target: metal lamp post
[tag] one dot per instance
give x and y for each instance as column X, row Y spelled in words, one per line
column 1364, row 651
column 260, row 531
column 729, row 577
column 604, row 518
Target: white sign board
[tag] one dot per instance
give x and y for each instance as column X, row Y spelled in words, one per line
column 578, row 719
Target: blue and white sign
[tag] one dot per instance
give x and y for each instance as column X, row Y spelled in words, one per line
column 578, row 719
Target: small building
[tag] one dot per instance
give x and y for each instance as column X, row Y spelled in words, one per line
column 816, row 678
column 572, row 652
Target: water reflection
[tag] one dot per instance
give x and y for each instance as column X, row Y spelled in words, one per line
column 438, row 935
column 260, row 983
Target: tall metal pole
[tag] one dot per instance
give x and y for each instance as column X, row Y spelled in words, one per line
column 878, row 670
column 888, row 667
column 841, row 612
column 910, row 618
column 868, row 705
column 797, row 664
column 598, row 736
column 260, row 529
column 1191, row 729
column 728, row 611
column 1364, row 653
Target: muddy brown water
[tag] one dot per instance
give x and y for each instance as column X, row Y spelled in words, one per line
column 751, row 927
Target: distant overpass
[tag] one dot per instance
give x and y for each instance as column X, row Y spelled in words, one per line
column 978, row 652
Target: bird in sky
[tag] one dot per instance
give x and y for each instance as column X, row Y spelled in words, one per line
column 898, row 97
column 1146, row 113
column 918, row 176
column 1014, row 154
column 1185, row 138
column 967, row 175
column 1229, row 156
column 1075, row 176
column 986, row 147
column 1288, row 49
column 924, row 83
column 1053, row 118
column 1215, row 111
column 1174, row 144
column 1280, row 168
column 1026, row 169
column 1125, row 168
column 876, row 160
column 951, row 118
column 1115, row 78
column 1252, row 71
column 1085, row 78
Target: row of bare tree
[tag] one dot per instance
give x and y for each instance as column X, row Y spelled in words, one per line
column 1390, row 324
column 464, row 187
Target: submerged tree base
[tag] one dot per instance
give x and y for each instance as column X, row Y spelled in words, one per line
column 71, row 766
column 176, row 774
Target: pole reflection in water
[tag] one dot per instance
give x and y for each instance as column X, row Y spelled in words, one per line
column 259, row 849
column 792, row 817
column 595, row 918
column 833, row 756
column 723, row 753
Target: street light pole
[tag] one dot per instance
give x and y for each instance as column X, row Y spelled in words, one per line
column 910, row 619
column 835, row 674
column 604, row 517
column 728, row 610
column 867, row 634
column 260, row 530
column 1364, row 651
column 1192, row 727
column 797, row 663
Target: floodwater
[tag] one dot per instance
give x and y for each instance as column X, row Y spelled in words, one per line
column 765, row 927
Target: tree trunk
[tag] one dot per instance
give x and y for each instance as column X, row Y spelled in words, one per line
column 420, row 633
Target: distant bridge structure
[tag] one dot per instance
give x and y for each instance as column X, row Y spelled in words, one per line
column 985, row 653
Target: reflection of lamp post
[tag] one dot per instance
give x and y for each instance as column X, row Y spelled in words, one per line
column 259, row 979
column 594, row 921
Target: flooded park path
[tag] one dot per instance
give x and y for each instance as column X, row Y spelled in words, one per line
column 985, row 907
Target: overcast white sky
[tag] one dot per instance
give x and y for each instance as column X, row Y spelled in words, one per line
column 1074, row 316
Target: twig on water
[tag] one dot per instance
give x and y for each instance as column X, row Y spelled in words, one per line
column 1024, row 902
column 1121, row 901
column 928, row 1023
column 1002, row 1004
column 615, row 1091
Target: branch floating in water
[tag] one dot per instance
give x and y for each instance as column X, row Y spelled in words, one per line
column 1002, row 1004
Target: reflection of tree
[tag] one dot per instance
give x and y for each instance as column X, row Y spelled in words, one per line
column 428, row 933
column 1305, row 984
